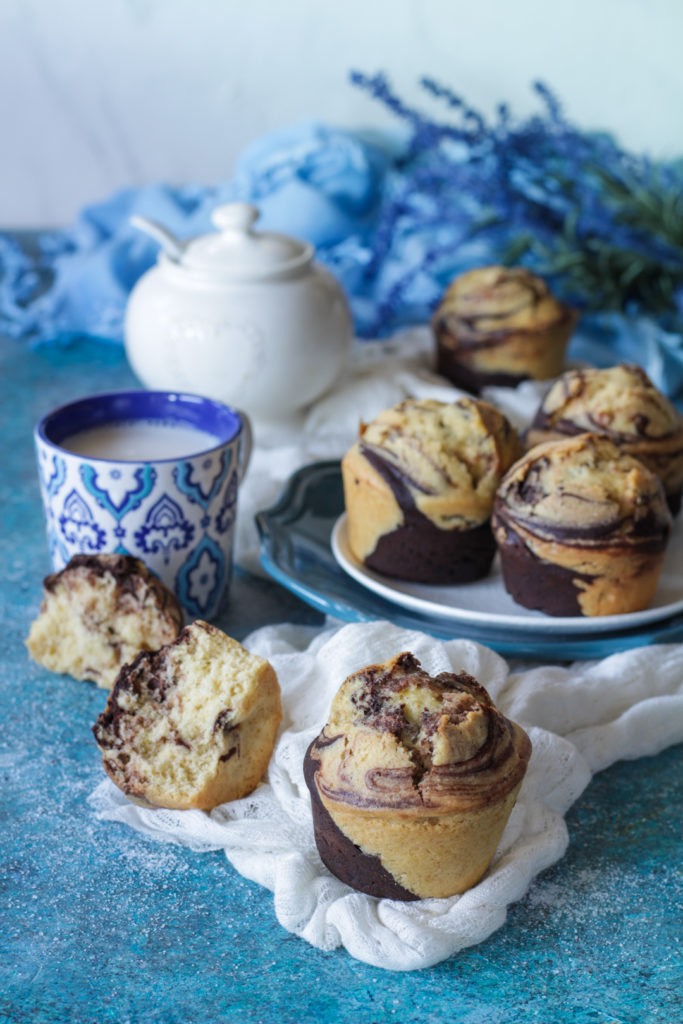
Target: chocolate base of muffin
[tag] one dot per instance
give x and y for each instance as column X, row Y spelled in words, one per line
column 463, row 376
column 420, row 552
column 347, row 862
column 536, row 584
column 674, row 502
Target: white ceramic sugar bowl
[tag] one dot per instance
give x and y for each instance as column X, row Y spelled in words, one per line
column 238, row 315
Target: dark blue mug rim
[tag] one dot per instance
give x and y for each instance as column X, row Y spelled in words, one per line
column 206, row 414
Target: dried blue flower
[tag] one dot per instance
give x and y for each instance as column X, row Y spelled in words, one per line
column 605, row 225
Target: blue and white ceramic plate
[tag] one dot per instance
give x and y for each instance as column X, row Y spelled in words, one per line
column 296, row 550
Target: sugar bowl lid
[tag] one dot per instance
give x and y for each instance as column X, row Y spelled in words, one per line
column 235, row 252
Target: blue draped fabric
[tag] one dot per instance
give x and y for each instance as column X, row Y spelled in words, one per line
column 324, row 185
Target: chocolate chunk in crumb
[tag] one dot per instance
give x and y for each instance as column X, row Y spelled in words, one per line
column 192, row 725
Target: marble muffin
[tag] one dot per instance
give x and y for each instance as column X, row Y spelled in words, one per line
column 499, row 326
column 412, row 781
column 191, row 725
column 419, row 486
column 582, row 528
column 98, row 613
column 622, row 403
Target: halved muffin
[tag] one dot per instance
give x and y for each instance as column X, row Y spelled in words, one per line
column 191, row 725
column 98, row 613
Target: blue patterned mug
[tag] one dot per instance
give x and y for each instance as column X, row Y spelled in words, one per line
column 153, row 474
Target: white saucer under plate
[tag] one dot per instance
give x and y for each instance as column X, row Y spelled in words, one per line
column 487, row 603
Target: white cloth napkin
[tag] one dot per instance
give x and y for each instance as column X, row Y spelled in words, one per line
column 579, row 719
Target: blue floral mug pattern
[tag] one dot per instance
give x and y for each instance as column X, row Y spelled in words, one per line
column 176, row 514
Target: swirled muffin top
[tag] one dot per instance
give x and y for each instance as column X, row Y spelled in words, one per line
column 487, row 300
column 451, row 456
column 620, row 401
column 584, row 490
column 398, row 738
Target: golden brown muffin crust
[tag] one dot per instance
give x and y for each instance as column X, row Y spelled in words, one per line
column 487, row 300
column 622, row 403
column 500, row 325
column 451, row 455
column 413, row 780
column 585, row 491
column 398, row 738
column 619, row 401
column 582, row 529
column 98, row 613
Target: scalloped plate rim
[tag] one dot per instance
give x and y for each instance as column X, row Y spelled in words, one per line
column 293, row 496
column 411, row 596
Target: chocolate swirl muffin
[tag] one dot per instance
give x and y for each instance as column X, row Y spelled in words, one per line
column 499, row 326
column 622, row 403
column 98, row 613
column 412, row 781
column 191, row 725
column 581, row 528
column 419, row 486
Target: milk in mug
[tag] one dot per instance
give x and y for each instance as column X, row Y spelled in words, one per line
column 140, row 441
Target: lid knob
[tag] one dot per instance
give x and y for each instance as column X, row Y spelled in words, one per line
column 234, row 217
column 237, row 252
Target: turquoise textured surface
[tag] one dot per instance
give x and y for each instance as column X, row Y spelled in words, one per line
column 100, row 924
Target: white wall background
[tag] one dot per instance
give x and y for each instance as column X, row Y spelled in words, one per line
column 99, row 94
